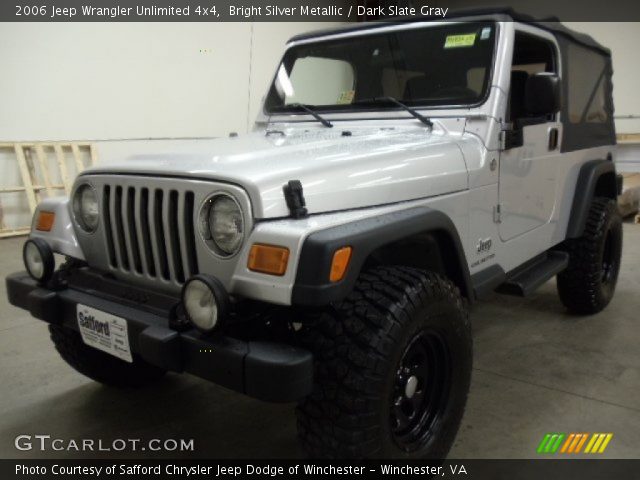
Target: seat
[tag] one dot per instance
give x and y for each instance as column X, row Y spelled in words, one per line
column 417, row 87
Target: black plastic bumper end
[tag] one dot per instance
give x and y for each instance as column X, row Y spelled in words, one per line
column 265, row 370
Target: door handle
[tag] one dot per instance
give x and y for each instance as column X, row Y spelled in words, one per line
column 553, row 138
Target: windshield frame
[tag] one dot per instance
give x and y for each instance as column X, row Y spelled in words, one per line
column 365, row 107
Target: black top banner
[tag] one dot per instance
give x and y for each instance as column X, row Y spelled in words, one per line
column 301, row 10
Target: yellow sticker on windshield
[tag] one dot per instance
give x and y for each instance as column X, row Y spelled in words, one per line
column 346, row 97
column 455, row 41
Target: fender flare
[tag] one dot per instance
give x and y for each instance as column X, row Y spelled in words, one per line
column 62, row 238
column 588, row 177
column 312, row 286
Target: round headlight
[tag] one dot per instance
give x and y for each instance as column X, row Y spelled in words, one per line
column 85, row 207
column 225, row 224
column 205, row 302
column 38, row 259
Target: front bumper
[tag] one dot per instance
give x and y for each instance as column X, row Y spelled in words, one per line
column 265, row 370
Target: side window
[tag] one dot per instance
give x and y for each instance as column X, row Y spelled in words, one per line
column 587, row 98
column 337, row 86
column 587, row 112
column 531, row 55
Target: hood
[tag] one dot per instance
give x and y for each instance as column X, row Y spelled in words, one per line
column 339, row 169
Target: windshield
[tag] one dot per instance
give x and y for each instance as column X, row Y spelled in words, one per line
column 432, row 66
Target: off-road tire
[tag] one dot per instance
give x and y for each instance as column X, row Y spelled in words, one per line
column 587, row 285
column 358, row 345
column 100, row 366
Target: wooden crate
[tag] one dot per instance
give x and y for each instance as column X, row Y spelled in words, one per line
column 628, row 137
column 33, row 161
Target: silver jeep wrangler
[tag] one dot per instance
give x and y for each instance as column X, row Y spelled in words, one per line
column 397, row 173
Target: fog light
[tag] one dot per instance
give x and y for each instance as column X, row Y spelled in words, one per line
column 38, row 259
column 205, row 302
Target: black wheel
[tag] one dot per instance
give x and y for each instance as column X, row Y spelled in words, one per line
column 393, row 366
column 100, row 366
column 587, row 285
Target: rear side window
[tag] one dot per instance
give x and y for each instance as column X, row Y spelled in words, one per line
column 587, row 107
column 586, row 102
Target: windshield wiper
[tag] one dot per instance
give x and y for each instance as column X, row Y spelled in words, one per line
column 304, row 107
column 412, row 111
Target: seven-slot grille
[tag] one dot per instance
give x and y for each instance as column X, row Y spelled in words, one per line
column 150, row 231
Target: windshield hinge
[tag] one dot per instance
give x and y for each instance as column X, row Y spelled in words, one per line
column 295, row 199
column 511, row 136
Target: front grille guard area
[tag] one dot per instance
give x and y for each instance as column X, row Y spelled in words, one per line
column 148, row 234
column 150, row 231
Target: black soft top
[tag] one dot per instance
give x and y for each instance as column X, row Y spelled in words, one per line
column 551, row 24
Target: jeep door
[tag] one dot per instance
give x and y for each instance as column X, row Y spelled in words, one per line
column 529, row 161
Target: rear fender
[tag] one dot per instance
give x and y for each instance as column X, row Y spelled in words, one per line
column 596, row 178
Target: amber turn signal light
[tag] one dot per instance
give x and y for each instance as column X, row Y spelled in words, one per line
column 268, row 259
column 339, row 264
column 45, row 221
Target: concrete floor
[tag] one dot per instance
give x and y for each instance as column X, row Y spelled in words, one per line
column 537, row 370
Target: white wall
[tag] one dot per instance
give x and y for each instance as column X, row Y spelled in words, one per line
column 123, row 81
column 77, row 81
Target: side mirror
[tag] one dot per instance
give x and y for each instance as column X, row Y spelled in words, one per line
column 542, row 94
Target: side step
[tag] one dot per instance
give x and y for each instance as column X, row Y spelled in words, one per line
column 524, row 281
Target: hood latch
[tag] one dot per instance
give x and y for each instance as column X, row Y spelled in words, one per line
column 295, row 199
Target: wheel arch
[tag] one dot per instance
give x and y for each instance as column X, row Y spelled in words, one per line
column 434, row 250
column 376, row 241
column 597, row 178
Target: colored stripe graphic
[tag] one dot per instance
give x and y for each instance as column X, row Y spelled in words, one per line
column 577, row 437
column 551, row 442
column 557, row 443
column 606, row 442
column 543, row 443
column 598, row 443
column 581, row 443
column 572, row 443
column 594, row 443
column 568, row 442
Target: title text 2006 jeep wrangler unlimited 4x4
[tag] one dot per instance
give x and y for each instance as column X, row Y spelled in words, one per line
column 397, row 173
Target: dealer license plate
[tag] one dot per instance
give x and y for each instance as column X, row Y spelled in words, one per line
column 104, row 331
